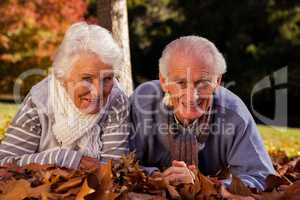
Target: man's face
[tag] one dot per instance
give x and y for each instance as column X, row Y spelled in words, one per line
column 190, row 84
column 89, row 83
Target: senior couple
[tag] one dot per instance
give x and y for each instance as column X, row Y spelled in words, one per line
column 79, row 116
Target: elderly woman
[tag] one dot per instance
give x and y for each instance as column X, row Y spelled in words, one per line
column 77, row 116
column 186, row 118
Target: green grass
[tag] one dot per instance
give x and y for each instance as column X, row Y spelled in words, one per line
column 275, row 139
column 7, row 111
column 287, row 140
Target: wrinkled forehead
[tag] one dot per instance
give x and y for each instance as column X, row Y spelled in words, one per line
column 87, row 63
column 191, row 66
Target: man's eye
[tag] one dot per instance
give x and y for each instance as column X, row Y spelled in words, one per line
column 89, row 79
column 182, row 84
column 205, row 84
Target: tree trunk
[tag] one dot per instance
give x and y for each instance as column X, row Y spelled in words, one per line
column 112, row 15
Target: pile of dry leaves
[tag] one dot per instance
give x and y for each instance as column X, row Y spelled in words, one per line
column 126, row 180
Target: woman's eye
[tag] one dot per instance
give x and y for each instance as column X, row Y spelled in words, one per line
column 107, row 79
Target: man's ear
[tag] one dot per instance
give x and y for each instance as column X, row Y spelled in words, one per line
column 219, row 80
column 163, row 83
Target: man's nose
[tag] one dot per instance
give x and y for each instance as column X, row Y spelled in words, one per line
column 191, row 93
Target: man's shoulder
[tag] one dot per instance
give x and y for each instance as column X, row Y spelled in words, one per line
column 149, row 87
column 147, row 93
column 230, row 103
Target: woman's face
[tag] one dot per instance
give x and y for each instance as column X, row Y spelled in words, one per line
column 89, row 83
column 191, row 85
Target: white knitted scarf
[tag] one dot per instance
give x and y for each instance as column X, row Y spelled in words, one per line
column 72, row 128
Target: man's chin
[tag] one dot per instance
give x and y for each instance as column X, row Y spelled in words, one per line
column 194, row 116
column 191, row 116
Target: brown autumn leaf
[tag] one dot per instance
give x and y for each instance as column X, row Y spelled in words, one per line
column 237, row 187
column 5, row 174
column 208, row 187
column 274, row 181
column 274, row 195
column 20, row 189
column 293, row 191
column 84, row 191
column 173, row 192
column 37, row 167
column 124, row 179
column 297, row 166
column 139, row 196
column 105, row 182
column 279, row 157
column 69, row 184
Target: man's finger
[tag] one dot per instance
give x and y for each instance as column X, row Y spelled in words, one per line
column 177, row 163
column 173, row 170
column 175, row 179
column 192, row 167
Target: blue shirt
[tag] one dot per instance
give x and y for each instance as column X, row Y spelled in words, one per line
column 233, row 141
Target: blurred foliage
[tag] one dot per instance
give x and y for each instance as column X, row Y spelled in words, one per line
column 7, row 112
column 30, row 33
column 256, row 38
column 281, row 139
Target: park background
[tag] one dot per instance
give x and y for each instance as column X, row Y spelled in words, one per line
column 257, row 39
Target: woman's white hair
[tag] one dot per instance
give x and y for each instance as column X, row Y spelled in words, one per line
column 83, row 38
column 196, row 46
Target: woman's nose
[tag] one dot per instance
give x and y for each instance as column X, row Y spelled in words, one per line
column 96, row 87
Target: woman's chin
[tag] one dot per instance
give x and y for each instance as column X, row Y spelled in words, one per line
column 90, row 109
column 93, row 111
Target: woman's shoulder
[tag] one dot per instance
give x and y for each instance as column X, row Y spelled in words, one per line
column 43, row 85
column 40, row 92
column 118, row 98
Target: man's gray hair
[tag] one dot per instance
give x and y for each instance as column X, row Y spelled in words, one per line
column 83, row 38
column 197, row 46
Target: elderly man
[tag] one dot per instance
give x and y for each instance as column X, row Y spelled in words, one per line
column 77, row 116
column 186, row 118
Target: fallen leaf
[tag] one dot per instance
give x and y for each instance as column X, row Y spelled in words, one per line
column 274, row 181
column 237, row 187
column 69, row 184
column 20, row 189
column 105, row 180
column 84, row 191
column 293, row 191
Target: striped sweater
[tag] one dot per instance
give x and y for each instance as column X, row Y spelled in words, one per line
column 29, row 138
